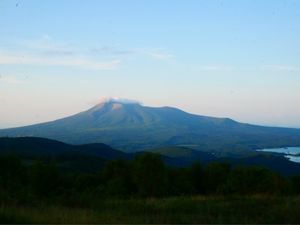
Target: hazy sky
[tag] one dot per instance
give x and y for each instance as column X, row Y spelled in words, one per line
column 237, row 59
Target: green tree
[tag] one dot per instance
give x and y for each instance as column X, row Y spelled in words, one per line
column 45, row 179
column 117, row 178
column 295, row 184
column 149, row 174
column 179, row 182
column 195, row 174
column 253, row 180
column 215, row 175
column 12, row 173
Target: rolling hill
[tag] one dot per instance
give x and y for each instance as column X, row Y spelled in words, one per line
column 33, row 146
column 132, row 127
column 185, row 154
column 91, row 158
column 71, row 158
column 83, row 158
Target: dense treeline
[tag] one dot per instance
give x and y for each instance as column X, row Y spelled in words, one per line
column 146, row 175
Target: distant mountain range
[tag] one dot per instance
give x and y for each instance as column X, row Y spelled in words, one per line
column 90, row 158
column 132, row 127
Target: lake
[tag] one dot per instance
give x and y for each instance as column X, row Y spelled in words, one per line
column 292, row 153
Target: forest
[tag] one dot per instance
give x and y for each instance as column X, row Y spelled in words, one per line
column 32, row 192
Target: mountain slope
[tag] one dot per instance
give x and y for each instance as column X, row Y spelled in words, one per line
column 70, row 158
column 91, row 158
column 40, row 147
column 185, row 157
column 186, row 154
column 133, row 127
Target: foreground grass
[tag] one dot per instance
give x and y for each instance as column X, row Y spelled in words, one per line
column 197, row 209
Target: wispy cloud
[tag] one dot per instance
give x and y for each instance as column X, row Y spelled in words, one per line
column 45, row 45
column 10, row 80
column 216, row 67
column 157, row 53
column 118, row 100
column 286, row 68
column 46, row 52
column 111, row 50
column 32, row 59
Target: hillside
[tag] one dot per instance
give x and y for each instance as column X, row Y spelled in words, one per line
column 92, row 157
column 185, row 154
column 82, row 158
column 133, row 127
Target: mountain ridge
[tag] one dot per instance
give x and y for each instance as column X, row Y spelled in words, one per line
column 133, row 127
column 92, row 157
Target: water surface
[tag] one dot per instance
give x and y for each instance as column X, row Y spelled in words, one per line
column 292, row 153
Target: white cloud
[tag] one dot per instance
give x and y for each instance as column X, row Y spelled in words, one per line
column 110, row 50
column 10, row 80
column 46, row 45
column 115, row 99
column 44, row 51
column 118, row 100
column 286, row 68
column 157, row 53
column 216, row 67
column 18, row 58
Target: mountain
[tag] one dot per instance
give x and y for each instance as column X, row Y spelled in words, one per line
column 183, row 157
column 40, row 147
column 131, row 127
column 75, row 158
column 91, row 158
column 70, row 158
column 184, row 154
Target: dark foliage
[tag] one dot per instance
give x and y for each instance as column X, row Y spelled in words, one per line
column 144, row 176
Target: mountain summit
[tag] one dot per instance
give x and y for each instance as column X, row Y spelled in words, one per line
column 118, row 100
column 130, row 126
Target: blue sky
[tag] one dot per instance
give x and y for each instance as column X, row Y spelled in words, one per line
column 237, row 59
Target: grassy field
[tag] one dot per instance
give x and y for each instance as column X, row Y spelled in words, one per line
column 196, row 209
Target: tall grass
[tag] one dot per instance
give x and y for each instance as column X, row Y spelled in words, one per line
column 175, row 210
